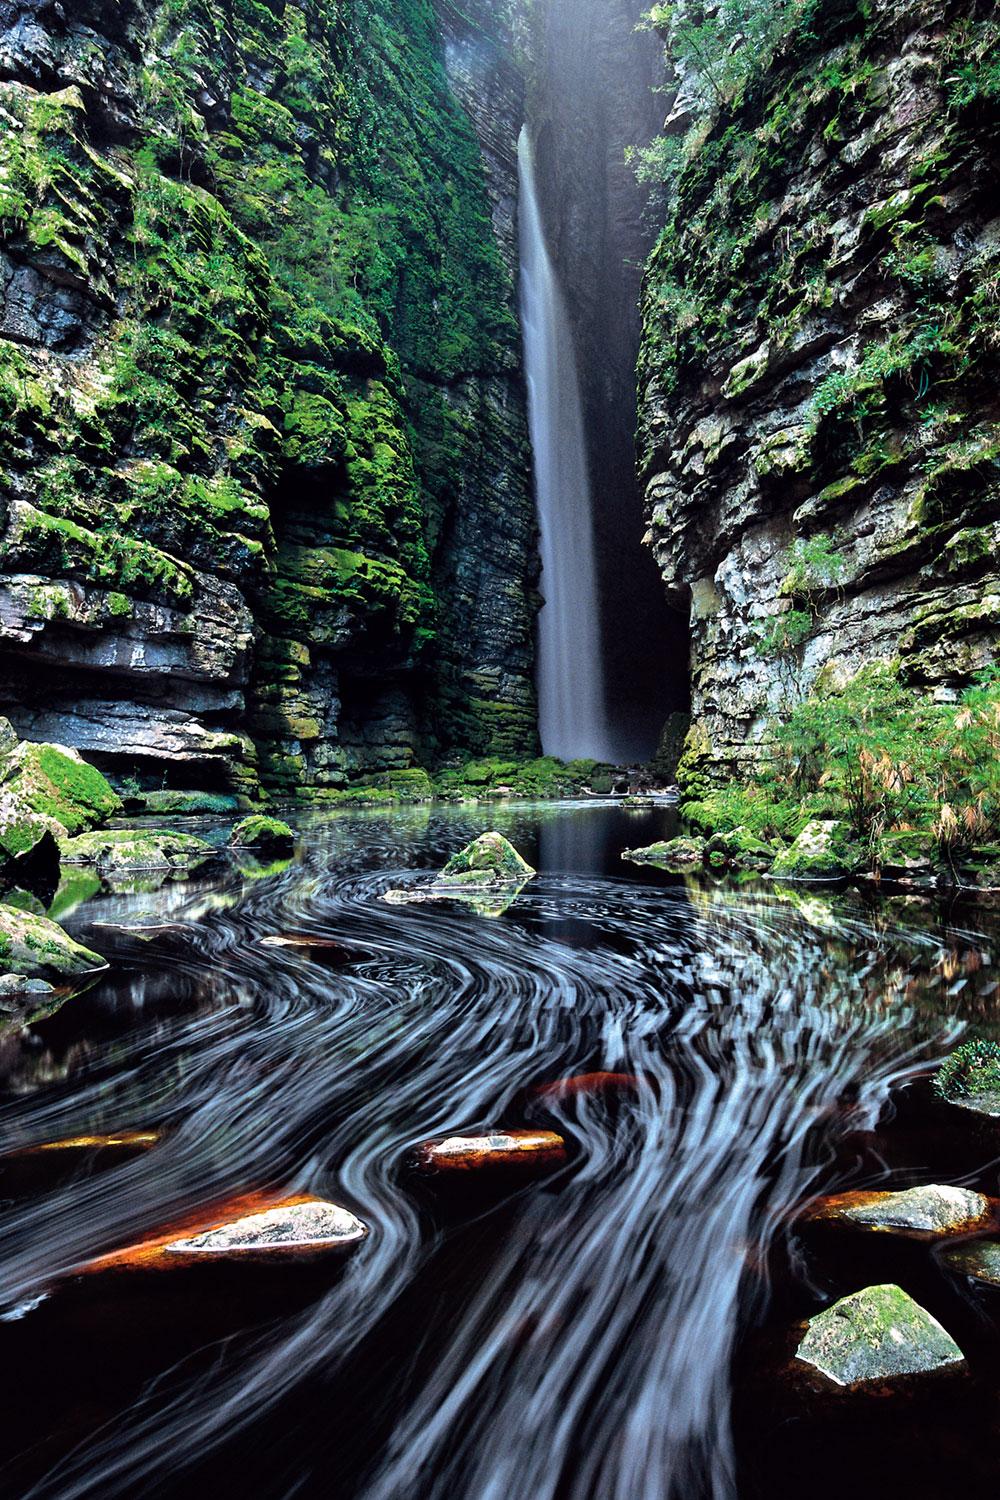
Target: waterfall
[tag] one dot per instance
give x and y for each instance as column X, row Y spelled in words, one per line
column 572, row 717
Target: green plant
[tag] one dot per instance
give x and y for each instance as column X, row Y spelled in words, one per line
column 972, row 1069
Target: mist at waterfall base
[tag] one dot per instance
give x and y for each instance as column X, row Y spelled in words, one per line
column 572, row 717
column 593, row 1335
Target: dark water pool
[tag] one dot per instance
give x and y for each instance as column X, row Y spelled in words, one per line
column 612, row 1332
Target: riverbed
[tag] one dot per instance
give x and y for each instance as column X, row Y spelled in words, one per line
column 612, row 1331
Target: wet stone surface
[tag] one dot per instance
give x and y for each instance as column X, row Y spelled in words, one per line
column 877, row 1334
column 315, row 1225
column 925, row 1210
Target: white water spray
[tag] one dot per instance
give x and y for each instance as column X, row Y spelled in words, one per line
column 572, row 714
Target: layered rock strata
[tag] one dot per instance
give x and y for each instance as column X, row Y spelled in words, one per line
column 818, row 381
column 264, row 499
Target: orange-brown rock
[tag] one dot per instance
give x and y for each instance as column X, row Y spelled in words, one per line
column 931, row 1212
column 521, row 1150
column 254, row 1227
column 587, row 1083
column 35, row 1168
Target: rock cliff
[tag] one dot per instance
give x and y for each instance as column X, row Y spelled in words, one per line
column 264, row 499
column 818, row 381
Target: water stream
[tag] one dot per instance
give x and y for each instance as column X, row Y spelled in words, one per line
column 571, row 700
column 579, row 1339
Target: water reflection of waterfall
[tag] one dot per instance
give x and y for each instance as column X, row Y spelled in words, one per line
column 574, row 1342
column 572, row 717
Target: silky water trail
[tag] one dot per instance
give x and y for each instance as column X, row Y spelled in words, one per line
column 587, row 1335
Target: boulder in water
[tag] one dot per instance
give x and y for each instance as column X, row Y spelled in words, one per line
column 488, row 860
column 970, row 1078
column 119, row 850
column 676, row 855
column 249, row 1229
column 926, row 1212
column 267, row 834
column 977, row 1259
column 824, row 850
column 310, row 1225
column 520, row 1150
column 57, row 784
column 487, row 875
column 876, row 1335
column 34, row 947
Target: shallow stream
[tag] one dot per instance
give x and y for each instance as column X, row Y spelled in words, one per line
column 613, row 1331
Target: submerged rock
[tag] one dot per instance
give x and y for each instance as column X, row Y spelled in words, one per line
column 877, row 1334
column 523, row 1150
column 672, row 854
column 823, row 850
column 979, row 1260
column 33, row 946
column 268, row 834
column 587, row 1084
column 933, row 1210
column 122, row 849
column 487, row 860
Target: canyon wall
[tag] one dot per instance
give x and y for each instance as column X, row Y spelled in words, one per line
column 819, row 372
column 265, row 511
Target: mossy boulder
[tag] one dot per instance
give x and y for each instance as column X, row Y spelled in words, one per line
column 979, row 1260
column 670, row 854
column 488, row 860
column 56, row 783
column 824, row 850
column 34, row 947
column 970, row 1077
column 741, row 848
column 27, row 840
column 181, row 804
column 877, row 1335
column 907, row 854
column 259, row 832
column 121, row 849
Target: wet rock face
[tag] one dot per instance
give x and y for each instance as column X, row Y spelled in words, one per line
column 260, row 522
column 876, row 1335
column 310, row 1226
column 818, row 378
column 932, row 1210
column 504, row 1151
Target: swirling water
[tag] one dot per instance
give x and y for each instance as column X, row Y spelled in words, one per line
column 576, row 1339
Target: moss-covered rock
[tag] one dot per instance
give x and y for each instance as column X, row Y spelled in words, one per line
column 267, row 834
column 56, row 783
column 119, row 850
column 878, row 1334
column 671, row 854
column 824, row 850
column 488, row 860
column 32, row 946
column 970, row 1077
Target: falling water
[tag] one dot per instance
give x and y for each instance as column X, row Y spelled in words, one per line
column 572, row 717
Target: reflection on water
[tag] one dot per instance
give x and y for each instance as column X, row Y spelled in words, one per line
column 575, row 1339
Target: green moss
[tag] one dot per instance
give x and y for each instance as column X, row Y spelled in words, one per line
column 258, row 832
column 972, row 1071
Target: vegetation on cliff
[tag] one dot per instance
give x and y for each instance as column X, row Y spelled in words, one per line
column 819, row 419
column 251, row 264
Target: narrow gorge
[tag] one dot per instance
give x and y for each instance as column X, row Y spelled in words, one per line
column 499, row 749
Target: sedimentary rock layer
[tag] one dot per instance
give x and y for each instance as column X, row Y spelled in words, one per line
column 264, row 499
column 819, row 370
